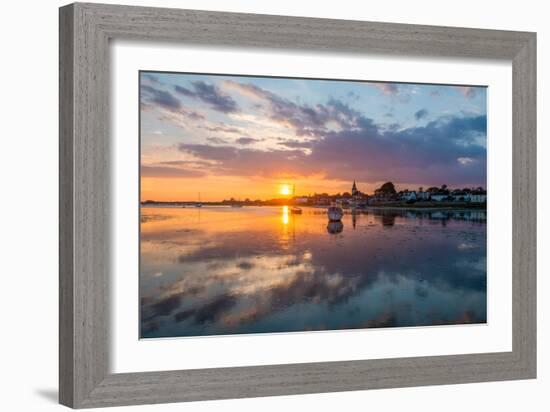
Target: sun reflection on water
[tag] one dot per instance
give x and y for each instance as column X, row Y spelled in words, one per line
column 284, row 217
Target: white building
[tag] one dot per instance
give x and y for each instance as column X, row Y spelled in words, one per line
column 409, row 196
column 478, row 198
column 439, row 197
column 423, row 195
column 460, row 196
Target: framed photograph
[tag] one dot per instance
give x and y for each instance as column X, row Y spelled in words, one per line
column 256, row 205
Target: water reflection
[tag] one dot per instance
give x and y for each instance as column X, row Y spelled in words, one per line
column 335, row 227
column 285, row 215
column 264, row 269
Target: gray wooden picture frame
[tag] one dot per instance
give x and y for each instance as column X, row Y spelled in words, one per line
column 85, row 32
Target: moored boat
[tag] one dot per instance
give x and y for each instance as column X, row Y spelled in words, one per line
column 295, row 210
column 335, row 213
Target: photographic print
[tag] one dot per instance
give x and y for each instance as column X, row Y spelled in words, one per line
column 272, row 204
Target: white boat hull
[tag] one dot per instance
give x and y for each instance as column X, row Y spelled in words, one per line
column 335, row 213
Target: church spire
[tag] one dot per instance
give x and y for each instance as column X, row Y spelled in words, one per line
column 354, row 189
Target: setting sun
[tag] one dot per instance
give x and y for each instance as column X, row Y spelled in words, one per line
column 285, row 190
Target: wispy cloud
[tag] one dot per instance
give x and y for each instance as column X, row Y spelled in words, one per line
column 150, row 78
column 305, row 119
column 165, row 101
column 168, row 172
column 210, row 95
column 465, row 161
column 223, row 128
column 247, row 140
column 161, row 97
column 217, row 140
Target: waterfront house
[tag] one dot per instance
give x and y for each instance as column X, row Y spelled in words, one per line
column 460, row 196
column 439, row 197
column 477, row 197
column 302, row 200
column 421, row 195
column 409, row 195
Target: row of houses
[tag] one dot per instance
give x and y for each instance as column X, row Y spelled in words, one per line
column 471, row 196
column 387, row 193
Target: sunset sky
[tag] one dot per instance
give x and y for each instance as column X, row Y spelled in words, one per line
column 246, row 137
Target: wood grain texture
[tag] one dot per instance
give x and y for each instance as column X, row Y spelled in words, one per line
column 524, row 125
column 66, row 229
column 85, row 32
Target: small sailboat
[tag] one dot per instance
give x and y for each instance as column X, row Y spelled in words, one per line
column 199, row 204
column 295, row 210
column 335, row 213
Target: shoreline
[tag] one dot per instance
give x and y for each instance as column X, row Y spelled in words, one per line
column 428, row 208
column 348, row 210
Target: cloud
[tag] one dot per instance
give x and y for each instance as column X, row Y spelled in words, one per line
column 245, row 265
column 247, row 140
column 150, row 78
column 396, row 92
column 417, row 154
column 421, row 114
column 468, row 91
column 223, row 128
column 185, row 163
column 165, row 101
column 209, row 312
column 216, row 140
column 161, row 97
column 230, row 160
column 465, row 161
column 184, row 91
column 295, row 143
column 168, row 172
column 365, row 151
column 163, row 307
column 306, row 120
column 386, row 88
column 210, row 95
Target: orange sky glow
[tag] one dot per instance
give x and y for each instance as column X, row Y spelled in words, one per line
column 216, row 188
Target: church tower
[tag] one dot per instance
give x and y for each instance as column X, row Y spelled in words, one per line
column 354, row 190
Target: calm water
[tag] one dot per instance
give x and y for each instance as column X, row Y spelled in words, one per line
column 221, row 270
